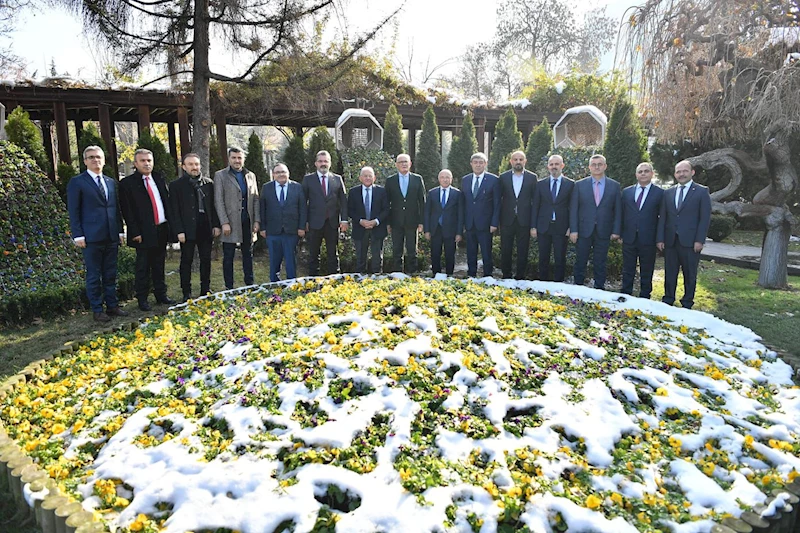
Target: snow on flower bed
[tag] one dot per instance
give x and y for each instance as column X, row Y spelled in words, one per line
column 415, row 405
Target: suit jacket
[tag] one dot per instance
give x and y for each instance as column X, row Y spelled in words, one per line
column 228, row 201
column 543, row 207
column 185, row 210
column 138, row 210
column 483, row 210
column 91, row 215
column 452, row 214
column 513, row 208
column 277, row 219
column 321, row 209
column 642, row 222
column 691, row 222
column 378, row 209
column 584, row 215
column 408, row 212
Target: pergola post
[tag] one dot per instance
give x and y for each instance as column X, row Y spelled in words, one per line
column 173, row 147
column 412, row 145
column 47, row 141
column 143, row 118
column 107, row 134
column 183, row 131
column 222, row 134
column 480, row 129
column 62, row 132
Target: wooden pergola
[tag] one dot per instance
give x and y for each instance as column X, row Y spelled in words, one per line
column 57, row 106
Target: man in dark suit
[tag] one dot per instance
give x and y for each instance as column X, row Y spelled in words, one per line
column 406, row 192
column 327, row 213
column 481, row 213
column 96, row 227
column 368, row 207
column 550, row 219
column 682, row 230
column 444, row 222
column 194, row 222
column 144, row 199
column 517, row 189
column 283, row 217
column 595, row 214
column 641, row 205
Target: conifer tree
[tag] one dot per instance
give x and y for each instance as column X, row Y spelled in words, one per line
column 23, row 132
column 428, row 161
column 461, row 151
column 507, row 139
column 294, row 157
column 91, row 137
column 393, row 132
column 215, row 161
column 540, row 142
column 626, row 143
column 320, row 139
column 254, row 162
column 163, row 162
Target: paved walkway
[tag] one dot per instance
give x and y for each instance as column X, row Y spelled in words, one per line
column 743, row 256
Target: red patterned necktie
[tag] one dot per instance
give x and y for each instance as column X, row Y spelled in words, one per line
column 152, row 199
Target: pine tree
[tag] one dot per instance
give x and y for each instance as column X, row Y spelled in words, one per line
column 254, row 162
column 320, row 139
column 23, row 132
column 507, row 139
column 90, row 136
column 626, row 143
column 294, row 157
column 428, row 162
column 163, row 162
column 393, row 132
column 215, row 160
column 540, row 142
column 462, row 149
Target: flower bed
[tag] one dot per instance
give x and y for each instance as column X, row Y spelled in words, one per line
column 415, row 405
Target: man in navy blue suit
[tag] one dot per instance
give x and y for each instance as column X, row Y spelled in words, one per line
column 368, row 208
column 595, row 214
column 283, row 219
column 96, row 226
column 444, row 222
column 481, row 213
column 641, row 206
column 517, row 189
column 550, row 219
column 682, row 230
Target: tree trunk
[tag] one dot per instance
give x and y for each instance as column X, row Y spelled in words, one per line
column 201, row 112
column 772, row 273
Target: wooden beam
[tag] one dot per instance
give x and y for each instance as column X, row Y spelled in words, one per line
column 222, row 134
column 47, row 141
column 62, row 132
column 480, row 128
column 107, row 133
column 143, row 118
column 489, row 142
column 173, row 147
column 412, row 145
column 78, row 132
column 183, row 131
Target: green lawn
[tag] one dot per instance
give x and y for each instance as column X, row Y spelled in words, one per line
column 754, row 238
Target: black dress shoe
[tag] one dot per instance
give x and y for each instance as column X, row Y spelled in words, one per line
column 166, row 300
column 144, row 306
column 101, row 317
column 116, row 311
column 186, row 298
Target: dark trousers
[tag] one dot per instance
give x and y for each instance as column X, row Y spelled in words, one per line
column 369, row 242
column 509, row 235
column 404, row 237
column 100, row 259
column 645, row 254
column 282, row 248
column 331, row 235
column 683, row 258
column 150, row 267
column 228, row 253
column 558, row 244
column 483, row 239
column 599, row 247
column 203, row 242
column 449, row 244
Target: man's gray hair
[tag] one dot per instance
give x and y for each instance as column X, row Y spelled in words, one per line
column 141, row 151
column 479, row 155
column 92, row 148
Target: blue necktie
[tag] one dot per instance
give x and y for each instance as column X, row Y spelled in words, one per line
column 283, row 195
column 404, row 185
column 444, row 202
column 368, row 204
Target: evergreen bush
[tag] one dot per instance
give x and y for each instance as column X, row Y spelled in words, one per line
column 507, row 139
column 353, row 159
column 576, row 161
column 294, row 157
column 428, row 161
column 461, row 151
column 24, row 133
column 540, row 142
column 721, row 227
column 393, row 132
column 163, row 162
column 91, row 137
column 320, row 140
column 254, row 162
column 626, row 143
column 215, row 160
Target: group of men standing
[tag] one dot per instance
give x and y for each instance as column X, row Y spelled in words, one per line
column 194, row 210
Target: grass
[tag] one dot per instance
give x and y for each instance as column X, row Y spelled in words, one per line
column 754, row 238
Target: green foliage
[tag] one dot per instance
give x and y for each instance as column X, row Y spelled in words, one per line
column 64, row 172
column 428, row 161
column 215, row 160
column 507, row 139
column 353, row 159
column 294, row 157
column 576, row 161
column 721, row 227
column 626, row 143
column 462, row 149
column 393, row 132
column 90, row 136
column 254, row 162
column 540, row 142
column 321, row 139
column 163, row 162
column 578, row 89
column 23, row 132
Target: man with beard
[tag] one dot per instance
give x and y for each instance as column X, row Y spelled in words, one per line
column 550, row 219
column 517, row 190
column 327, row 213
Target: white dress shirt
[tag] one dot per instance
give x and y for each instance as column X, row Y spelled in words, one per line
column 516, row 182
column 637, row 191
column 678, row 198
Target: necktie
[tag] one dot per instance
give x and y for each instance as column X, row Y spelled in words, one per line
column 475, row 186
column 639, row 199
column 444, row 197
column 324, row 187
column 554, row 190
column 596, row 192
column 368, row 204
column 152, row 199
column 680, row 195
column 283, row 195
column 404, row 185
column 100, row 186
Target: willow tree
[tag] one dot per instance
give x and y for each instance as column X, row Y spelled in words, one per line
column 720, row 74
column 175, row 36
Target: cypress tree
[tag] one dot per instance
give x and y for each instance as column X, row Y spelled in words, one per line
column 294, row 157
column 507, row 139
column 23, row 132
column 540, row 142
column 320, row 139
column 254, row 162
column 91, row 137
column 462, row 149
column 163, row 162
column 215, row 161
column 428, row 161
column 393, row 132
column 626, row 143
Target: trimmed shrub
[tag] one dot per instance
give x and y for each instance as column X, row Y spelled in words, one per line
column 540, row 142
column 393, row 132
column 24, row 133
column 462, row 149
column 254, row 162
column 294, row 157
column 507, row 139
column 163, row 162
column 626, row 143
column 576, row 161
column 320, row 139
column 215, row 160
column 721, row 227
column 353, row 159
column 428, row 161
column 91, row 137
